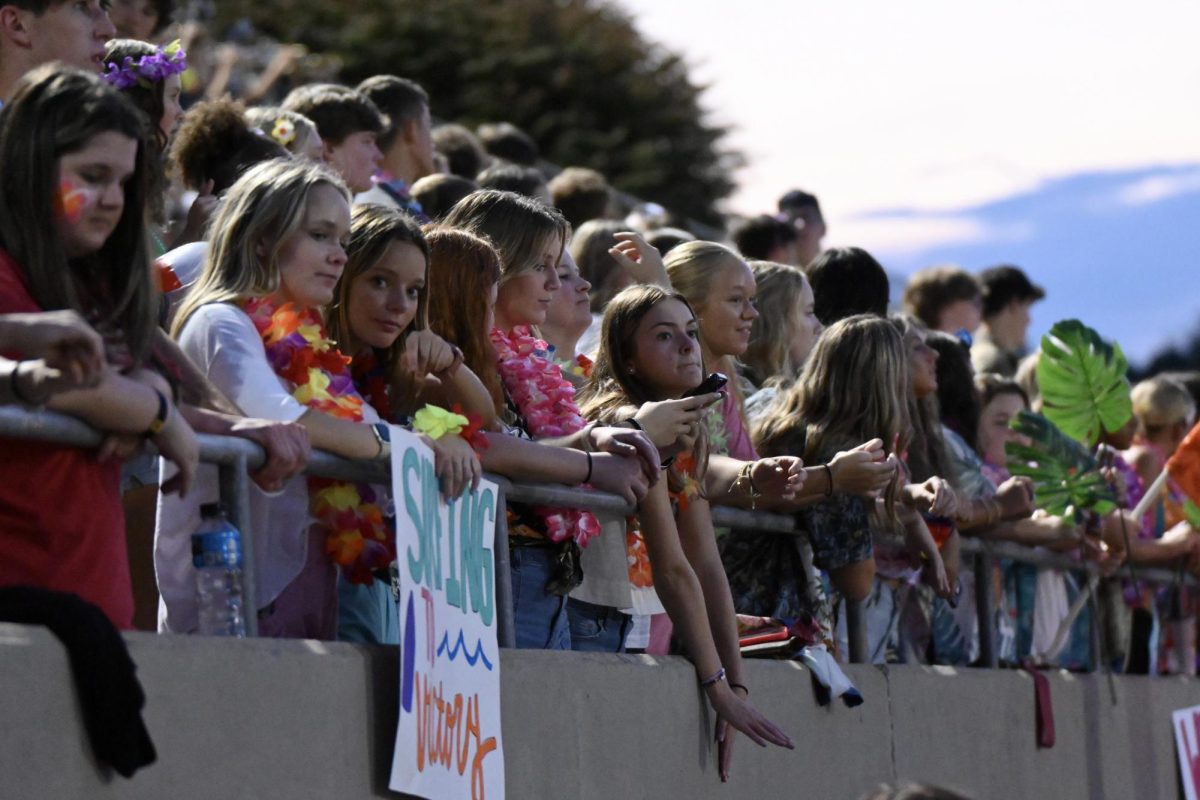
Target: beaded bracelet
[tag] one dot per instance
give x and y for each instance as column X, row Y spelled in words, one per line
column 717, row 678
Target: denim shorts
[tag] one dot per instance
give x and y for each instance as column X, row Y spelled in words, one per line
column 539, row 617
column 597, row 629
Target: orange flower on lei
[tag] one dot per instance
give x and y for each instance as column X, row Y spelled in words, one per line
column 358, row 537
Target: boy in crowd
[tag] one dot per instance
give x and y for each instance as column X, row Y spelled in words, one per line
column 407, row 142
column 33, row 32
column 349, row 124
column 1000, row 341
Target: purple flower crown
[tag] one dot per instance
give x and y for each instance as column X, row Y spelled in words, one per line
column 148, row 70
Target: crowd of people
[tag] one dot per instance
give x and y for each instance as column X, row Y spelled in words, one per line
column 304, row 274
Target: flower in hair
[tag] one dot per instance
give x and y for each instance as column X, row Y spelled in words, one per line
column 148, row 70
column 284, row 132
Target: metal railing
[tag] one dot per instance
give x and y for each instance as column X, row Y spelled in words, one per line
column 235, row 458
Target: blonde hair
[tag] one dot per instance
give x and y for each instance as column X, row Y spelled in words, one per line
column 779, row 290
column 852, row 389
column 518, row 227
column 692, row 267
column 1161, row 402
column 265, row 205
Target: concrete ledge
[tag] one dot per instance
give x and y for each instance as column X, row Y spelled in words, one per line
column 267, row 718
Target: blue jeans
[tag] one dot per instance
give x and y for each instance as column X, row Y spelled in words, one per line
column 597, row 629
column 539, row 617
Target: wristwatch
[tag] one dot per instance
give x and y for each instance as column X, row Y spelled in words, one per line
column 383, row 435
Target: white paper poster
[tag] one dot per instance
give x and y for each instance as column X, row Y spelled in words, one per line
column 448, row 742
column 1186, row 723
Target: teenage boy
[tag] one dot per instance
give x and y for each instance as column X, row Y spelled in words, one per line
column 407, row 143
column 1000, row 341
column 349, row 124
column 32, row 33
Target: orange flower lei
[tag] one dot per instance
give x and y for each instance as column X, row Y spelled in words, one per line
column 358, row 537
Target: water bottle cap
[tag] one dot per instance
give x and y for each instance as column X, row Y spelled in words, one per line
column 212, row 510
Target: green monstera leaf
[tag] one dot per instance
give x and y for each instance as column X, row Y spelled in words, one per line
column 1082, row 380
column 1066, row 479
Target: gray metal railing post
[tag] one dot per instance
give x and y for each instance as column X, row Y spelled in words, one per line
column 985, row 608
column 506, row 633
column 856, row 631
column 234, row 488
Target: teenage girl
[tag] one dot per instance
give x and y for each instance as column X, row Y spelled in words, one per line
column 650, row 351
column 72, row 237
column 253, row 323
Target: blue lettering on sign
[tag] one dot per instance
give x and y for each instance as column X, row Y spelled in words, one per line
column 470, row 566
column 425, row 566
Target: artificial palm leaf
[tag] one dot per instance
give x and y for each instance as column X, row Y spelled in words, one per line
column 1082, row 381
column 1066, row 479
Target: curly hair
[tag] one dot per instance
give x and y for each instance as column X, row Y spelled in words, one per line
column 216, row 143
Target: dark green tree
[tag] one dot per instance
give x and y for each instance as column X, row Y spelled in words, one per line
column 575, row 74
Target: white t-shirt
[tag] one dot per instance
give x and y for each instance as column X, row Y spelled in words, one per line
column 223, row 342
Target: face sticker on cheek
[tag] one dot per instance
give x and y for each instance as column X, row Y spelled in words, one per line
column 71, row 200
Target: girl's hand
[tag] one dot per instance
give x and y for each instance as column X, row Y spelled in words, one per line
column 455, row 464
column 620, row 475
column 1015, row 497
column 733, row 711
column 865, row 470
column 204, row 207
column 177, row 443
column 937, row 578
column 121, row 446
column 427, row 353
column 639, row 259
column 628, row 443
column 668, row 421
column 935, row 496
column 778, row 478
column 287, row 447
column 72, row 353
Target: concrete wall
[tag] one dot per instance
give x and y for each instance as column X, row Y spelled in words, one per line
column 275, row 719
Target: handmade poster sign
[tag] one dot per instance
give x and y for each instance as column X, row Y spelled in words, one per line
column 1186, row 723
column 448, row 741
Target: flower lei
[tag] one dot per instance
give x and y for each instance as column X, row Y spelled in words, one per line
column 580, row 366
column 547, row 402
column 358, row 538
column 147, row 70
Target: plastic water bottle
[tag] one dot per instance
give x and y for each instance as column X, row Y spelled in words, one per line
column 217, row 557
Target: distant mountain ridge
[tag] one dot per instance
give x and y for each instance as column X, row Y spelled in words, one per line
column 1118, row 249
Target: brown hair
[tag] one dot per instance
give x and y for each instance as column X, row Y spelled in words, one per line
column 931, row 290
column 580, row 194
column 215, row 142
column 54, row 111
column 613, row 391
column 463, row 268
column 373, row 228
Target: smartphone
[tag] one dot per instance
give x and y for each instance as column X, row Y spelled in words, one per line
column 715, row 382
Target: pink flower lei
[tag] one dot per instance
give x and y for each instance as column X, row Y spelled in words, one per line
column 547, row 402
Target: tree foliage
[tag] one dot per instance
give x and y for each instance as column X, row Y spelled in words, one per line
column 575, row 74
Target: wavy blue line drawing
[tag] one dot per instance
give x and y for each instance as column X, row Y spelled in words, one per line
column 471, row 658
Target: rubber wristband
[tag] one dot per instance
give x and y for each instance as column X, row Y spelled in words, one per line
column 733, row 685
column 633, row 423
column 160, row 420
column 588, row 477
column 829, row 472
column 15, row 388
